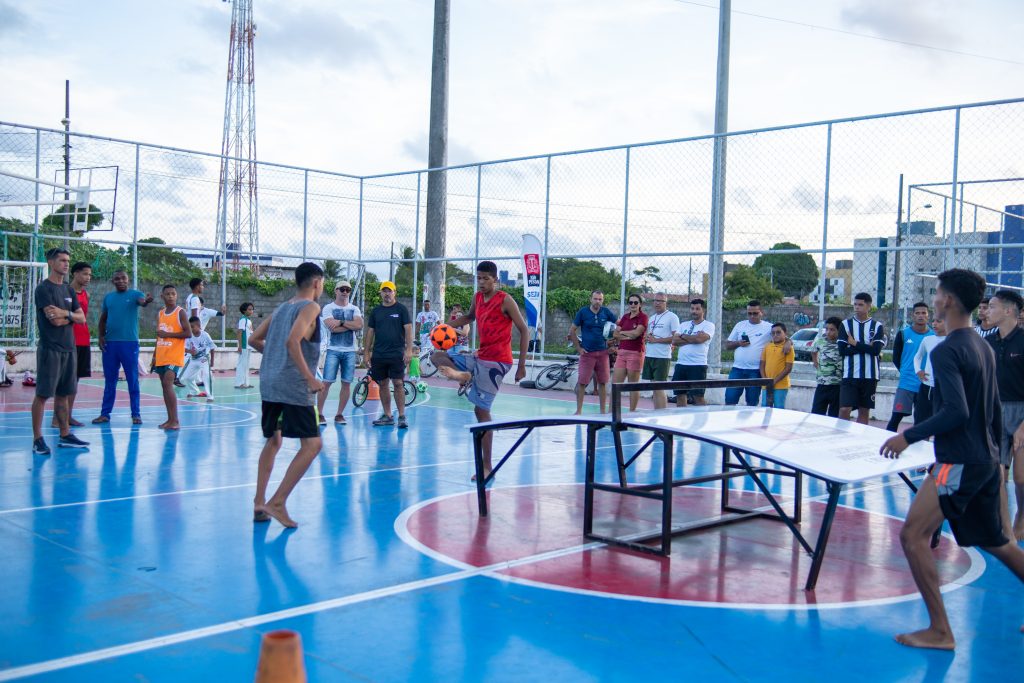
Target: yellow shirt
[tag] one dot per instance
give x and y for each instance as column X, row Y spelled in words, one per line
column 775, row 362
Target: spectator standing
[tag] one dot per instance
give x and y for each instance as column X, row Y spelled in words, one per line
column 985, row 327
column 1008, row 343
column 923, row 369
column 592, row 347
column 777, row 359
column 387, row 349
column 747, row 340
column 662, row 325
column 629, row 332
column 57, row 309
column 118, row 336
column 244, row 334
column 860, row 343
column 426, row 320
column 81, row 276
column 828, row 369
column 342, row 319
column 199, row 348
column 904, row 349
column 461, row 331
column 693, row 339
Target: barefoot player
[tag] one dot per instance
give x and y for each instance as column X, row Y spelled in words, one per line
column 289, row 340
column 495, row 312
column 964, row 484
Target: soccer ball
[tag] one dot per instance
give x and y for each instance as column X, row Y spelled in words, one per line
column 421, row 387
column 443, row 337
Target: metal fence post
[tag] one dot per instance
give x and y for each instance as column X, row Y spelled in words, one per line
column 951, row 235
column 135, row 224
column 822, row 285
column 543, row 336
column 416, row 242
column 305, row 212
column 625, row 238
column 476, row 246
column 360, row 247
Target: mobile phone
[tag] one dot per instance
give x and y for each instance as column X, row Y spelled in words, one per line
column 744, row 337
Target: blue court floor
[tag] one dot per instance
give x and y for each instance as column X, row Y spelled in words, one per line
column 138, row 560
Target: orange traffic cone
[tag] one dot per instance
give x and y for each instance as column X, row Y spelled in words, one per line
column 281, row 658
column 374, row 393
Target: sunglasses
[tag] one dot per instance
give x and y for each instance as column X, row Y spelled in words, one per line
column 344, row 289
column 634, row 303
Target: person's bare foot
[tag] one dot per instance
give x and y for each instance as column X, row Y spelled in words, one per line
column 1018, row 526
column 927, row 638
column 170, row 426
column 578, row 412
column 457, row 375
column 260, row 515
column 162, row 425
column 278, row 512
column 487, row 473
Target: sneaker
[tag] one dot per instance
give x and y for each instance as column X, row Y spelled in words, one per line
column 402, row 422
column 71, row 441
column 178, row 383
column 39, row 447
column 384, row 421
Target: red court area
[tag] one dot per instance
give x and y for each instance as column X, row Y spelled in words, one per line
column 755, row 562
column 18, row 398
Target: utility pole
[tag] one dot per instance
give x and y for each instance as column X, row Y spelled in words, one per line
column 67, row 164
column 437, row 157
column 717, row 237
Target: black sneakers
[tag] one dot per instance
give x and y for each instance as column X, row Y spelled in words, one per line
column 39, row 447
column 71, row 441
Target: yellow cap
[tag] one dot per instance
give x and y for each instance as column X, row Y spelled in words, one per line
column 388, row 284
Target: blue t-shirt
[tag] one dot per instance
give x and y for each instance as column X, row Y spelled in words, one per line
column 591, row 326
column 911, row 343
column 122, row 309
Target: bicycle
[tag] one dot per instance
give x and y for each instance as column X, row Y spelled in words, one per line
column 427, row 368
column 362, row 390
column 561, row 372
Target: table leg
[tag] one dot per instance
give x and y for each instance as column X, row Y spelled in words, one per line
column 826, row 527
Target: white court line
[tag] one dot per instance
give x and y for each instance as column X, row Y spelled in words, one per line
column 383, row 470
column 281, row 615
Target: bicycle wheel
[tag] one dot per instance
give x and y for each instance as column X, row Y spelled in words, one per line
column 360, row 392
column 427, row 369
column 410, row 392
column 550, row 377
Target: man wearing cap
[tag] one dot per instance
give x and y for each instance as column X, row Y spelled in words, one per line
column 387, row 349
column 342, row 319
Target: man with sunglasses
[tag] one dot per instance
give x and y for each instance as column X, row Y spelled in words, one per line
column 747, row 339
column 342, row 319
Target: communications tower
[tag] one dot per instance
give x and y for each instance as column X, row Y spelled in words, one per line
column 238, row 234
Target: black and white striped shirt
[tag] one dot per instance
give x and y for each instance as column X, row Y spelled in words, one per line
column 983, row 333
column 860, row 361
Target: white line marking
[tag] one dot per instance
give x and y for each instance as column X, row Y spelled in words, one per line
column 281, row 615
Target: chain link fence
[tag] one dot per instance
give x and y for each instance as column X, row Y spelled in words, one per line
column 812, row 214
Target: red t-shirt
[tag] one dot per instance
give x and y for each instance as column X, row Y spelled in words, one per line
column 627, row 323
column 81, row 330
column 494, row 328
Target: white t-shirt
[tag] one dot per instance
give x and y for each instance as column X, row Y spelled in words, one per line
column 695, row 354
column 924, row 356
column 192, row 301
column 202, row 345
column 245, row 326
column 342, row 340
column 426, row 320
column 749, row 357
column 661, row 325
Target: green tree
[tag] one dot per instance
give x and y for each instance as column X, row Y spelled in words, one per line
column 793, row 274
column 744, row 284
column 572, row 273
column 648, row 273
column 54, row 223
column 332, row 269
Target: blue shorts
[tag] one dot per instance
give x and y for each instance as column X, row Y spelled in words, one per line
column 487, row 378
column 339, row 363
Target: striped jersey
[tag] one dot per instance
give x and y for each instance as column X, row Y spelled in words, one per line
column 861, row 361
column 985, row 334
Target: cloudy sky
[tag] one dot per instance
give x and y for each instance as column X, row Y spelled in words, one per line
column 344, row 84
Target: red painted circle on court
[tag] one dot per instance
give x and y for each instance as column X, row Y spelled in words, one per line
column 754, row 562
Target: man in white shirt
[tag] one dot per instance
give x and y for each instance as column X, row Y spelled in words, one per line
column 747, row 339
column 342, row 320
column 426, row 320
column 693, row 340
column 662, row 326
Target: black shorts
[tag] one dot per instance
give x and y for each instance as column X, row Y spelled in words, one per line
column 969, row 498
column 294, row 422
column 690, row 373
column 55, row 373
column 386, row 368
column 923, row 404
column 826, row 400
column 83, row 364
column 857, row 393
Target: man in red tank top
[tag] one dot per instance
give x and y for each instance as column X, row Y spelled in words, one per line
column 495, row 312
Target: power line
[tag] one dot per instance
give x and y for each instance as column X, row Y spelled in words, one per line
column 831, row 29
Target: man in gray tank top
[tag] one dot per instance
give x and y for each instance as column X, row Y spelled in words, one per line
column 290, row 343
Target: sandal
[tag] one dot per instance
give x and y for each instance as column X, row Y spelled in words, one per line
column 102, row 419
column 136, row 420
column 339, row 419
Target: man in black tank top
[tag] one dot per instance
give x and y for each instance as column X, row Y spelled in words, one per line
column 289, row 387
column 963, row 486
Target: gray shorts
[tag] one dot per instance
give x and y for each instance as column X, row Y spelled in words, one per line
column 55, row 373
column 487, row 378
column 1013, row 415
column 903, row 402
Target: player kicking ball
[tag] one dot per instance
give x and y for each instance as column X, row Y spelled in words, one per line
column 963, row 486
column 482, row 372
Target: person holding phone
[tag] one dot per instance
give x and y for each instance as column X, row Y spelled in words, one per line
column 747, row 340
